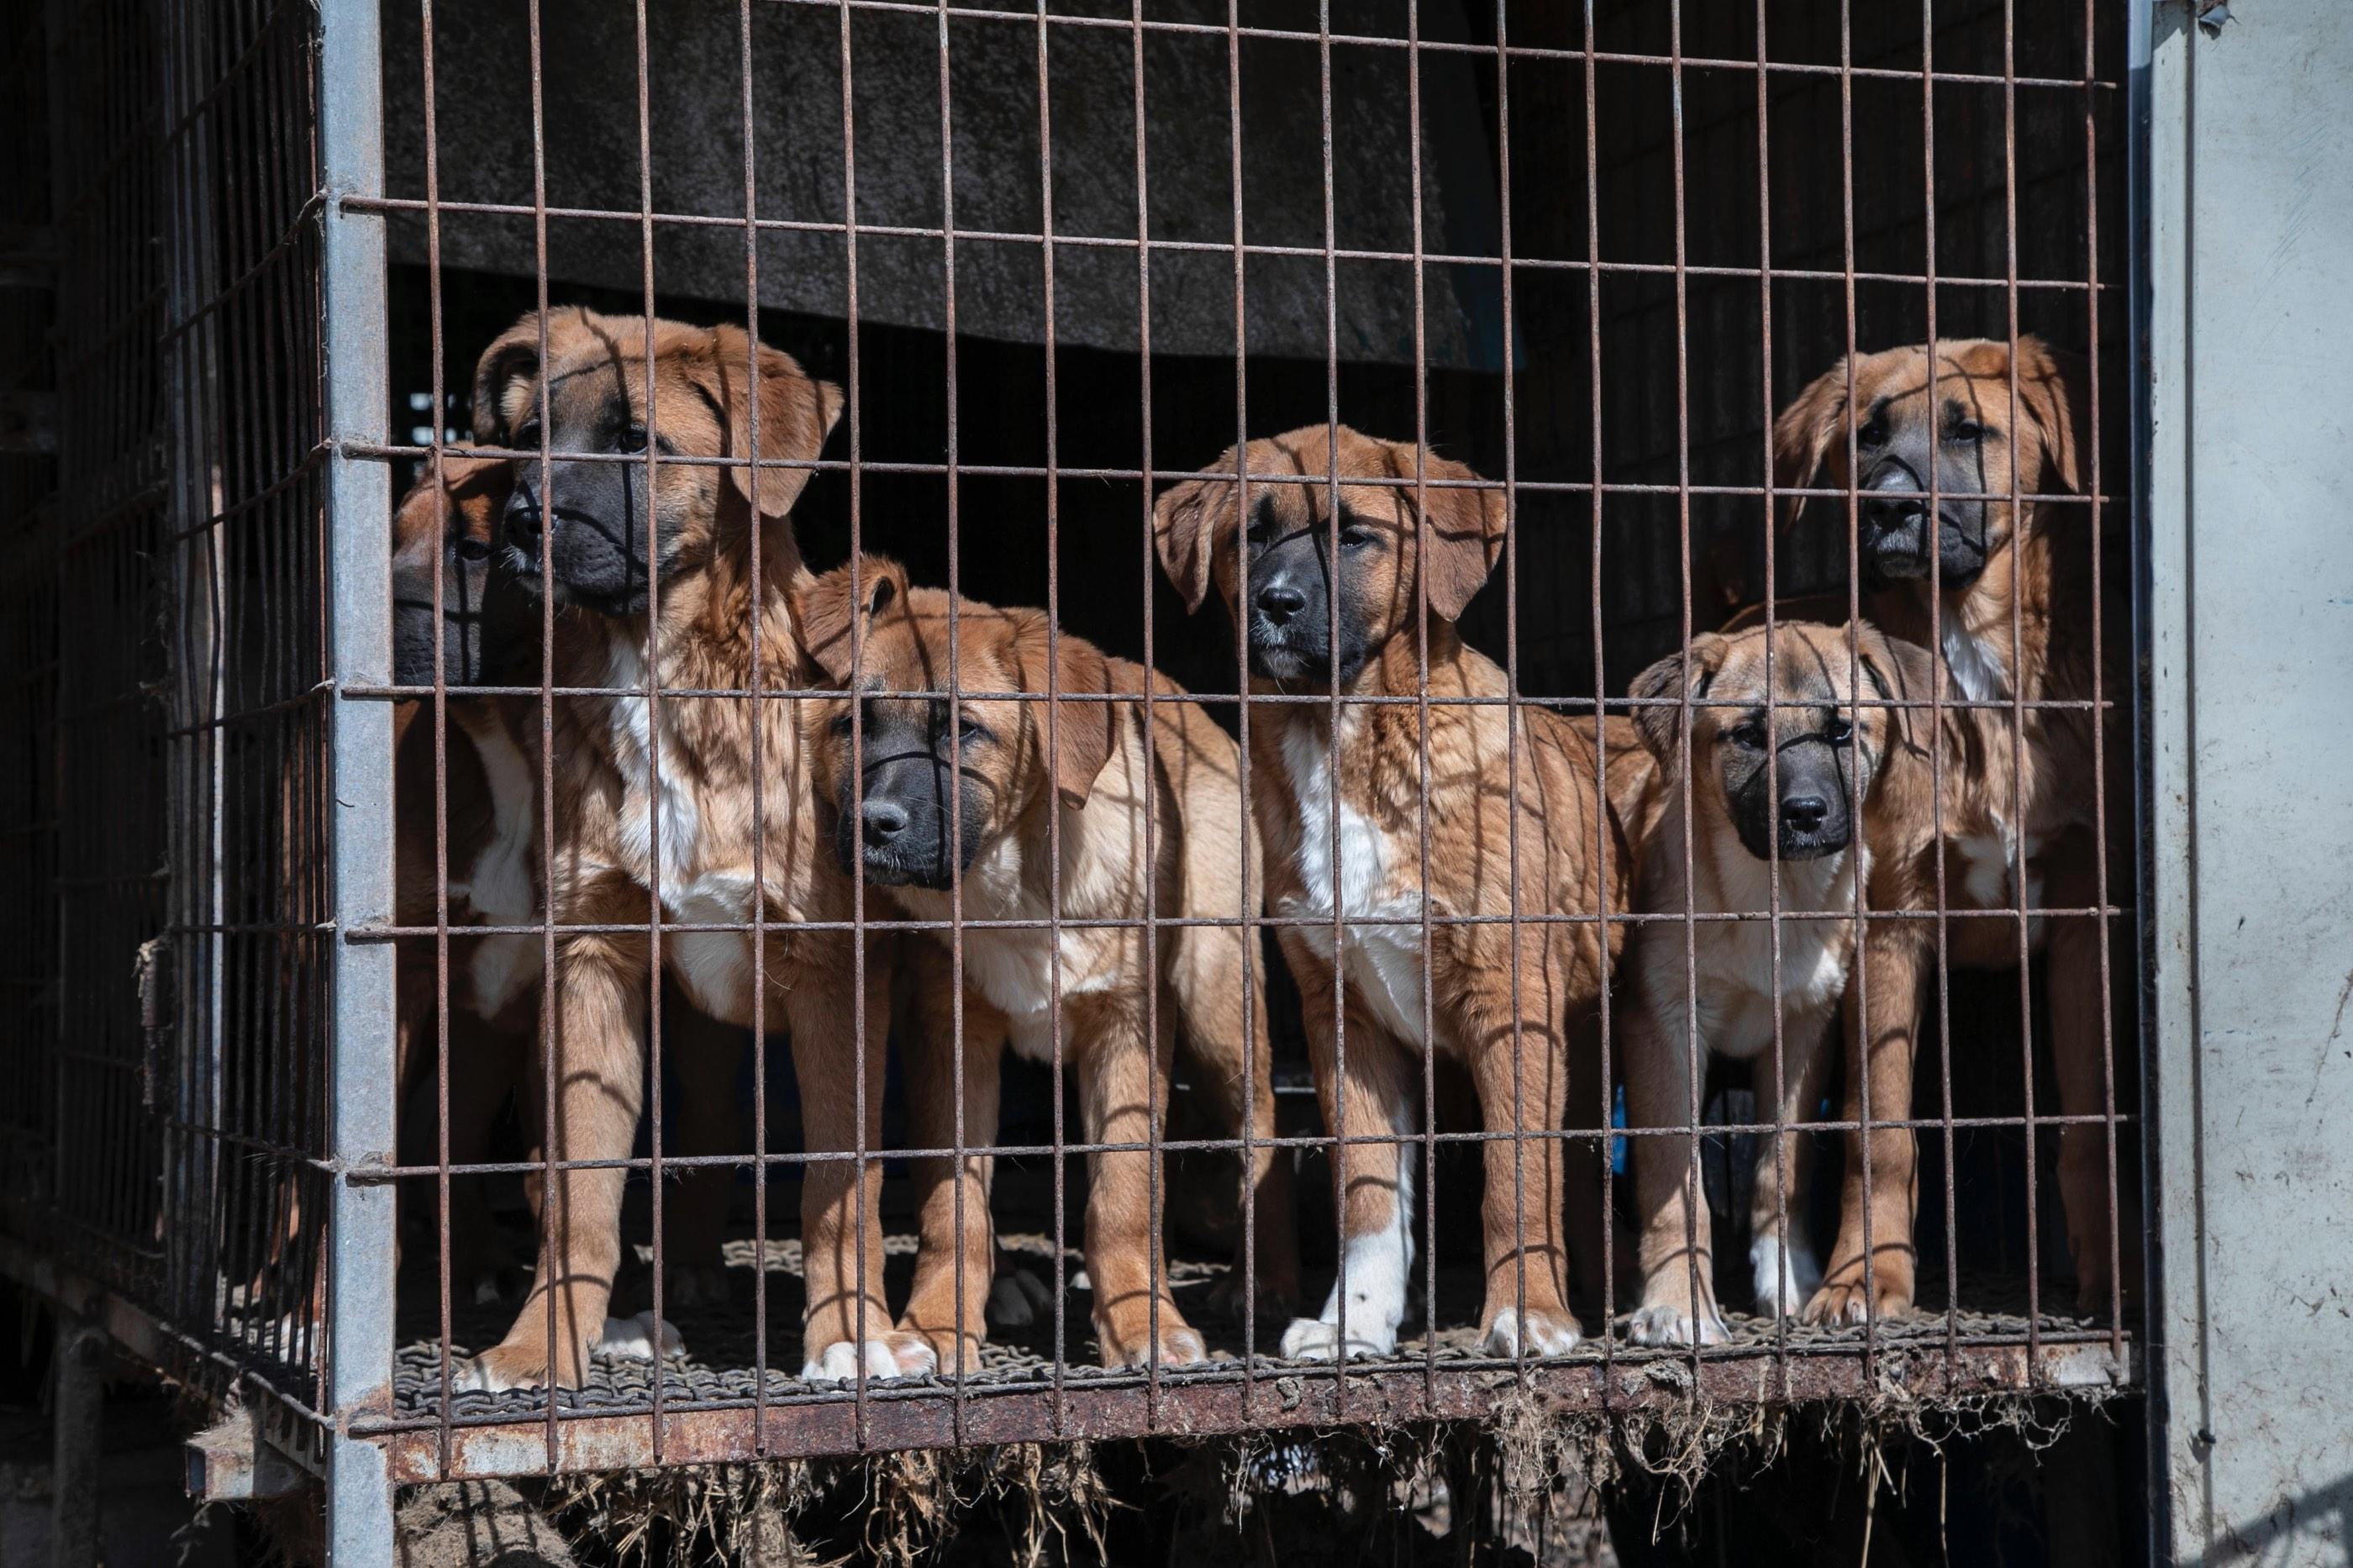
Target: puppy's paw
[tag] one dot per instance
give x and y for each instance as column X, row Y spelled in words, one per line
column 1543, row 1333
column 891, row 1355
column 1312, row 1339
column 1845, row 1301
column 506, row 1367
column 1668, row 1324
column 635, row 1338
column 1785, row 1280
column 1016, row 1298
column 1178, row 1344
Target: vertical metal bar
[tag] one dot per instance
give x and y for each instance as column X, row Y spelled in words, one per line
column 2017, row 701
column 1332, row 674
column 653, row 678
column 360, row 1042
column 1241, row 511
column 1601, row 666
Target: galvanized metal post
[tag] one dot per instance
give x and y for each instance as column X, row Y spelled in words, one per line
column 360, row 1043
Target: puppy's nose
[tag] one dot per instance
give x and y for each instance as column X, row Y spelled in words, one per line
column 1892, row 514
column 1278, row 602
column 883, row 820
column 1804, row 812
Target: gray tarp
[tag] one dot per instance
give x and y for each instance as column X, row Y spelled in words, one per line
column 695, row 81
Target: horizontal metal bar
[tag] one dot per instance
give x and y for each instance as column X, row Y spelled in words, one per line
column 1102, row 1406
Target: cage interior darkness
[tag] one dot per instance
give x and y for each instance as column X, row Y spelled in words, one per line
column 1563, row 268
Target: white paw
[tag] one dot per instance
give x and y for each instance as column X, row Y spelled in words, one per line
column 1547, row 1336
column 1016, row 1298
column 1665, row 1325
column 1312, row 1339
column 634, row 1338
column 1785, row 1281
column 839, row 1362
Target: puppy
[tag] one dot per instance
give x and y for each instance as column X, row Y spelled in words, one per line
column 1834, row 746
column 1142, row 824
column 1978, row 564
column 658, row 796
column 1346, row 817
column 480, row 842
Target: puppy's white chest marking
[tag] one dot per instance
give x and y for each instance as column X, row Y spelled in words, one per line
column 1735, row 957
column 715, row 966
column 1384, row 962
column 1977, row 668
column 1016, row 969
column 498, row 884
column 647, row 801
column 1989, row 856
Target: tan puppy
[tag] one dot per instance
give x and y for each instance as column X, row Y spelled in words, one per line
column 1994, row 564
column 1784, row 782
column 658, row 796
column 1142, row 828
column 1347, row 819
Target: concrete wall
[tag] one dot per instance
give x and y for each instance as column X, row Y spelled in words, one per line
column 2252, row 637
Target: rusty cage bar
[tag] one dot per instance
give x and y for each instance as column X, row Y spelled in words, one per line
column 1593, row 253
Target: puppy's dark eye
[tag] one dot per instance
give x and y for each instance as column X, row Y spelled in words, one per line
column 970, row 730
column 1261, row 531
column 1838, row 732
column 840, row 724
column 1872, row 435
column 1971, row 431
column 526, row 434
column 1749, row 736
column 469, row 548
column 633, row 438
column 1357, row 537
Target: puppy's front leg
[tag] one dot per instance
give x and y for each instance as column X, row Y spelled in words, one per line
column 1677, row 1248
column 1374, row 1180
column 1121, row 1081
column 1781, row 1258
column 1520, row 1067
column 1876, row 1279
column 847, row 1326
column 599, row 995
column 951, row 1323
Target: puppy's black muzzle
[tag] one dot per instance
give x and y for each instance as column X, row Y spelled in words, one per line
column 899, row 835
column 589, row 546
column 1289, row 623
column 1814, row 816
column 1896, row 541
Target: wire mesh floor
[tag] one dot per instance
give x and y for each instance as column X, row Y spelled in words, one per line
column 717, row 1367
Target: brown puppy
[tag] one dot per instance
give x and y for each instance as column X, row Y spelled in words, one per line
column 657, row 795
column 1348, row 819
column 1975, row 567
column 1786, row 782
column 1140, row 828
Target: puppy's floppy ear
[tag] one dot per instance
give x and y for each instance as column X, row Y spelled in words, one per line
column 1662, row 686
column 1895, row 671
column 2054, row 392
column 796, row 412
column 1465, row 535
column 513, row 357
column 1187, row 522
column 826, row 610
column 1802, row 434
column 1084, row 732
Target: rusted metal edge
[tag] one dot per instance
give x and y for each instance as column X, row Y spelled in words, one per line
column 1028, row 1415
